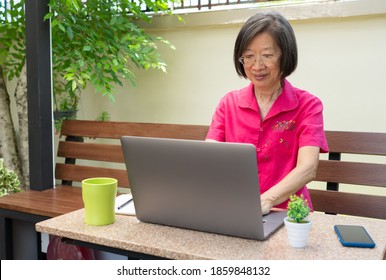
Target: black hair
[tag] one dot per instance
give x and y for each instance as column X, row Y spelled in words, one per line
column 280, row 29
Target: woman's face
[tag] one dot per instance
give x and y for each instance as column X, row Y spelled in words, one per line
column 262, row 63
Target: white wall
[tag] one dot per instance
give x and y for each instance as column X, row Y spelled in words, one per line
column 342, row 61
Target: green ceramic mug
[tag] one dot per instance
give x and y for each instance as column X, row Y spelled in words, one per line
column 99, row 200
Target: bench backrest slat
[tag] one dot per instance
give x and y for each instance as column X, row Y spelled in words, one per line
column 366, row 143
column 90, row 151
column 358, row 173
column 115, row 130
column 72, row 172
column 337, row 202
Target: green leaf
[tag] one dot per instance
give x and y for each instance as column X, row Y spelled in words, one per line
column 81, row 62
column 70, row 34
column 48, row 16
column 74, row 86
column 86, row 76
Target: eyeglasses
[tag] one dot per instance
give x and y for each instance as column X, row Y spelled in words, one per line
column 265, row 59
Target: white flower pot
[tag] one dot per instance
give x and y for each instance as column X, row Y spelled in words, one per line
column 297, row 233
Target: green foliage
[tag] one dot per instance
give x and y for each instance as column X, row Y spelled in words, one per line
column 12, row 38
column 94, row 42
column 103, row 117
column 9, row 182
column 297, row 209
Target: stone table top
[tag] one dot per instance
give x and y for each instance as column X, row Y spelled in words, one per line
column 128, row 233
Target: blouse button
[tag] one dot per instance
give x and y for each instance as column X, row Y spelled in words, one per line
column 258, row 149
column 261, row 129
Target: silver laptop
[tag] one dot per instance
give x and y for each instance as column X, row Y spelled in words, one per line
column 206, row 186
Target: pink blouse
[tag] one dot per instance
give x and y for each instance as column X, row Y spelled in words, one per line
column 295, row 120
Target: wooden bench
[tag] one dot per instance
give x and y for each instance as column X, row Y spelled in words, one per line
column 87, row 147
column 339, row 169
column 333, row 171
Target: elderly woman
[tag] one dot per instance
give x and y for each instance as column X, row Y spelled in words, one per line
column 284, row 123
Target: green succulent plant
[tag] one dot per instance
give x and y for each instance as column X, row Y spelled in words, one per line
column 9, row 182
column 298, row 209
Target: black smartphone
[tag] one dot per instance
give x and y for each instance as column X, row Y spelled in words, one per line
column 354, row 236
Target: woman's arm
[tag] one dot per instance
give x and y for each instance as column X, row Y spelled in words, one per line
column 303, row 173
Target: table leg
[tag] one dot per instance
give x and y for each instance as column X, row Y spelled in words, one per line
column 6, row 240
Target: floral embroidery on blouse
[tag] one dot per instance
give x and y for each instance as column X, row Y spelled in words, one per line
column 281, row 126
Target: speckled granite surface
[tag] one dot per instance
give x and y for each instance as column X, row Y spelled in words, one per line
column 130, row 234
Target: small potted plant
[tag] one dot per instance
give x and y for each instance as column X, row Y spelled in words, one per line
column 9, row 182
column 297, row 222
